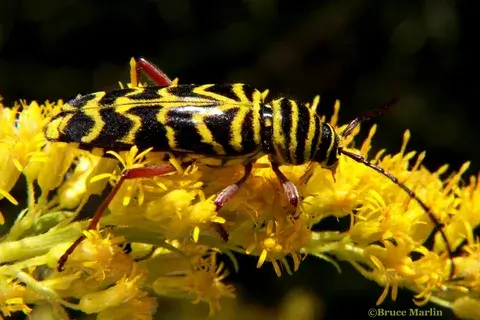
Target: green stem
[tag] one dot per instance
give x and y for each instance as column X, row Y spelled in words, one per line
column 30, row 194
column 38, row 245
column 441, row 302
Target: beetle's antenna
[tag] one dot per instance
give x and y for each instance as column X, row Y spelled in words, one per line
column 367, row 116
column 360, row 159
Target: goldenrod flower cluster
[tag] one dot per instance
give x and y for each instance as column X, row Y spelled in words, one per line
column 170, row 221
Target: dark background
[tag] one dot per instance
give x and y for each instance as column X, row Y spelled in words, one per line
column 362, row 52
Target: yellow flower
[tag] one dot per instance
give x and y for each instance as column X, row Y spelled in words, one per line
column 203, row 281
column 74, row 191
column 100, row 258
column 388, row 278
column 280, row 240
column 21, row 140
column 12, row 296
column 124, row 300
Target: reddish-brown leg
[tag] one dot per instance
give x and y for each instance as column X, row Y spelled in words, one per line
column 220, row 229
column 226, row 194
column 146, row 172
column 152, row 71
column 288, row 187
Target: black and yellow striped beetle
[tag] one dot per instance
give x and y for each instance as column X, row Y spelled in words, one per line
column 213, row 124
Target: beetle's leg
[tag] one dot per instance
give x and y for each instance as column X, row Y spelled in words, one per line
column 145, row 172
column 288, row 187
column 152, row 71
column 225, row 195
column 220, row 229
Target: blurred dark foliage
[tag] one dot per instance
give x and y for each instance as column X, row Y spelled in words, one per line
column 362, row 52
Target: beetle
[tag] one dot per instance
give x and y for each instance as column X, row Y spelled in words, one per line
column 212, row 124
